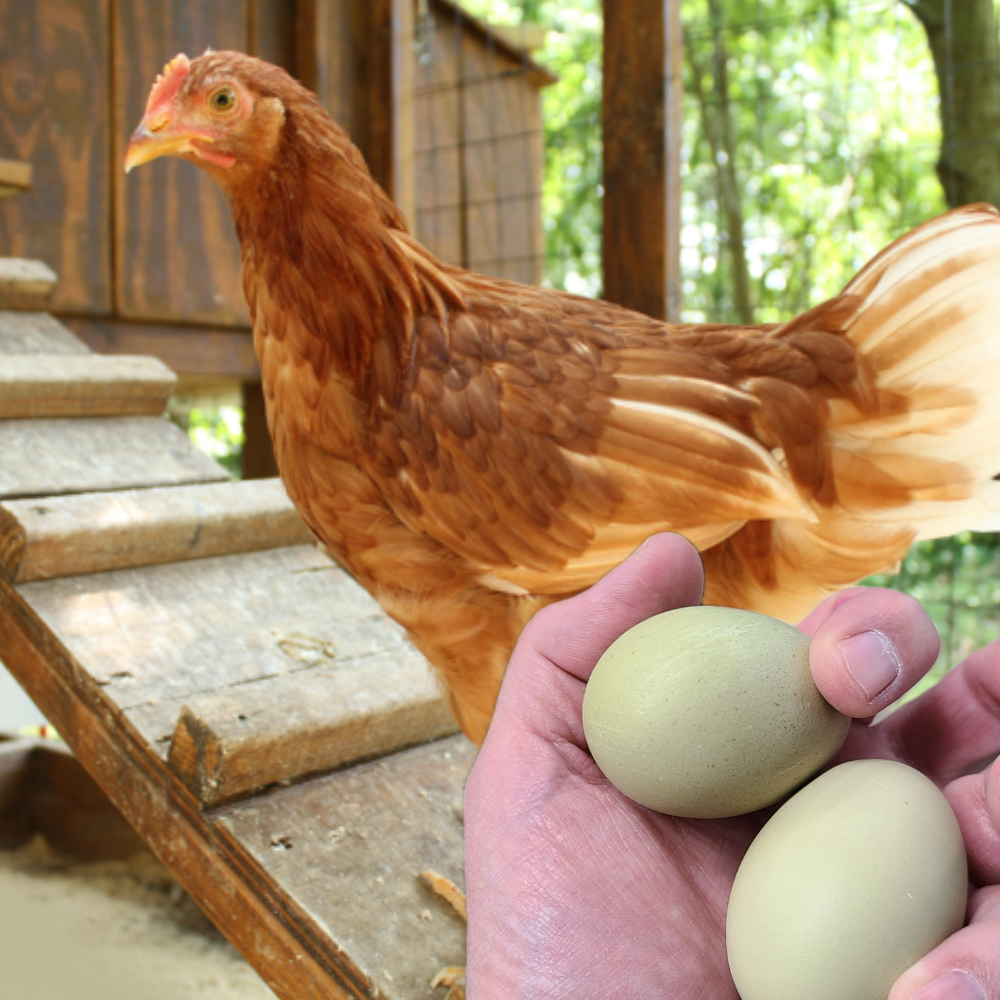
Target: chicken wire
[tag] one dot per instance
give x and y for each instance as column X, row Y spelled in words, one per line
column 478, row 145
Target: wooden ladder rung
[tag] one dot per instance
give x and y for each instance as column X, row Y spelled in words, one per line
column 95, row 532
column 83, row 385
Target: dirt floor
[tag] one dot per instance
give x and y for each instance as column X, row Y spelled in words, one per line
column 110, row 931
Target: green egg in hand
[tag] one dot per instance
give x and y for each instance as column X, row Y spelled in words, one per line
column 707, row 712
column 853, row 879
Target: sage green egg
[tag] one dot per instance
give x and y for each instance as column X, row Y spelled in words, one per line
column 708, row 712
column 852, row 880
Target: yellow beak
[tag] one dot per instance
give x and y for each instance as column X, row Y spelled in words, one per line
column 146, row 145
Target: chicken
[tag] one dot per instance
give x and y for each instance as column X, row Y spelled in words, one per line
column 471, row 449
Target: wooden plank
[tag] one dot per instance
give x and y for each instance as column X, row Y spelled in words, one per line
column 344, row 854
column 25, row 284
column 289, row 955
column 641, row 120
column 164, row 634
column 187, row 351
column 50, row 456
column 15, row 177
column 176, row 253
column 54, row 57
column 77, row 385
column 36, row 333
column 257, row 460
column 280, row 729
column 96, row 532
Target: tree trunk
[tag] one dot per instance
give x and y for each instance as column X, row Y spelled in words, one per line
column 964, row 42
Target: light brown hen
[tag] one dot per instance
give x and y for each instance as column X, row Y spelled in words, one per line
column 471, row 449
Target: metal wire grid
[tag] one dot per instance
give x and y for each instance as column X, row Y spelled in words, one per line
column 478, row 147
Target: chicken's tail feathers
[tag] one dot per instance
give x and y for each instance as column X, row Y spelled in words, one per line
column 922, row 445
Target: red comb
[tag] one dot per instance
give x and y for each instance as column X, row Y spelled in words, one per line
column 166, row 86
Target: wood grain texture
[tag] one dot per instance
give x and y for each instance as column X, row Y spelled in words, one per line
column 54, row 100
column 36, row 333
column 15, row 175
column 280, row 729
column 78, row 385
column 344, row 854
column 96, row 532
column 138, row 782
column 177, row 257
column 164, row 634
column 25, row 284
column 51, row 456
column 186, row 350
column 641, row 121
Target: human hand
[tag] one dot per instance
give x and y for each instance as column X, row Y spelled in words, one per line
column 576, row 891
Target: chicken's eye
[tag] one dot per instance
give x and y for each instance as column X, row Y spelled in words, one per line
column 222, row 99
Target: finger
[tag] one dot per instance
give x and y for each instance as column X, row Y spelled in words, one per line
column 869, row 646
column 954, row 727
column 975, row 800
column 542, row 691
column 966, row 966
column 665, row 572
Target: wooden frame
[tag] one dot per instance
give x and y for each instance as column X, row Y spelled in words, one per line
column 642, row 130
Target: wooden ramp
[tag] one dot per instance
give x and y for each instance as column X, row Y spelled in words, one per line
column 259, row 721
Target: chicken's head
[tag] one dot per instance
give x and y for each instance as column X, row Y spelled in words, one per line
column 216, row 111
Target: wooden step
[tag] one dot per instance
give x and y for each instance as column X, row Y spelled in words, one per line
column 55, row 456
column 93, row 532
column 262, row 668
column 25, row 284
column 345, row 853
column 83, row 385
column 36, row 333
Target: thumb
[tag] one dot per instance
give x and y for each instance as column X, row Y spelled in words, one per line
column 966, row 966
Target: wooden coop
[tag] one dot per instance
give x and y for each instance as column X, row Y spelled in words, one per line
column 149, row 264
column 248, row 709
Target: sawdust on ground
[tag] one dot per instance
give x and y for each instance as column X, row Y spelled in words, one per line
column 122, row 930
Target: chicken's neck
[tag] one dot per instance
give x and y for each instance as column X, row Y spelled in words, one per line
column 326, row 245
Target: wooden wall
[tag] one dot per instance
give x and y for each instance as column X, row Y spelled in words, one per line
column 478, row 150
column 55, row 97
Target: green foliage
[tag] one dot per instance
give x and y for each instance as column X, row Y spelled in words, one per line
column 957, row 580
column 836, row 132
column 219, row 433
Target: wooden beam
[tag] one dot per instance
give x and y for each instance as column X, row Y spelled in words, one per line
column 642, row 123
column 186, row 350
column 83, row 385
column 96, row 532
